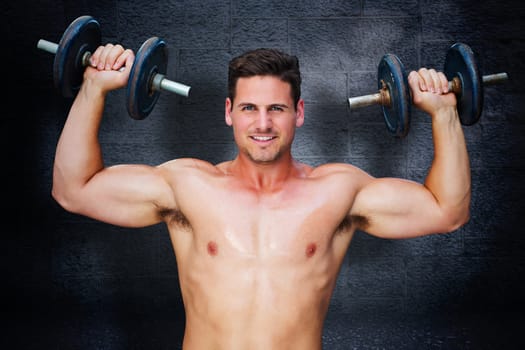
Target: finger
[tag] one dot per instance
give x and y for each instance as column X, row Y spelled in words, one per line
column 417, row 86
column 104, row 56
column 95, row 56
column 414, row 80
column 435, row 82
column 424, row 78
column 130, row 59
column 444, row 82
column 124, row 59
column 112, row 56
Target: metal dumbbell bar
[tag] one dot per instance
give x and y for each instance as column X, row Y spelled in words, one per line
column 394, row 96
column 147, row 76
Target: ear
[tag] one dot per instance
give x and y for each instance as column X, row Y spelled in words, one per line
column 299, row 113
column 227, row 112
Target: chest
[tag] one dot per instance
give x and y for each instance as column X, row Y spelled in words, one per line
column 298, row 222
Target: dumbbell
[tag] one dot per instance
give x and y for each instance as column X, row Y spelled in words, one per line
column 394, row 94
column 147, row 76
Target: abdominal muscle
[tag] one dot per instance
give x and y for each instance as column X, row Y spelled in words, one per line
column 254, row 303
column 257, row 271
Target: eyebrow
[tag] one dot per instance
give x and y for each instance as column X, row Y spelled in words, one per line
column 282, row 105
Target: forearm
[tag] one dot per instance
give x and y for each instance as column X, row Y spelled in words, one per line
column 449, row 176
column 78, row 155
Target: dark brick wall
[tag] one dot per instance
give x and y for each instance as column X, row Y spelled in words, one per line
column 72, row 283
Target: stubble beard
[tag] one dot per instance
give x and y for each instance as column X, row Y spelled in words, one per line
column 263, row 156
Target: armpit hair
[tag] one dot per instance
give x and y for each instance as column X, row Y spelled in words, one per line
column 349, row 220
column 174, row 216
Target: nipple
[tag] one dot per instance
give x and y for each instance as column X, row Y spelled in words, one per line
column 212, row 248
column 310, row 250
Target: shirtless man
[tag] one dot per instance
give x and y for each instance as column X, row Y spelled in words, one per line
column 260, row 239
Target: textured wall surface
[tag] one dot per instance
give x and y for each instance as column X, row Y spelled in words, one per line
column 73, row 283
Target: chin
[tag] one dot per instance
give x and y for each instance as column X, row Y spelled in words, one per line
column 264, row 159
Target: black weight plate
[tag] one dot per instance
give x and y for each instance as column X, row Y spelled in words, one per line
column 82, row 35
column 151, row 59
column 460, row 62
column 391, row 72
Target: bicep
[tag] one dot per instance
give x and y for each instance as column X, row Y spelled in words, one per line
column 398, row 208
column 126, row 195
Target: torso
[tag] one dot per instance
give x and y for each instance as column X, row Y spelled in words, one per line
column 257, row 270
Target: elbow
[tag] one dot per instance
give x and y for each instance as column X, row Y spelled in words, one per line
column 456, row 220
column 61, row 196
column 65, row 192
column 458, row 223
column 456, row 215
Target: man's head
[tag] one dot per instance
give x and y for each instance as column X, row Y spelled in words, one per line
column 265, row 62
column 264, row 106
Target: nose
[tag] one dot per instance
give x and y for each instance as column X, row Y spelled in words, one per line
column 264, row 121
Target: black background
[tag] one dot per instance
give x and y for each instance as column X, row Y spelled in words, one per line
column 73, row 283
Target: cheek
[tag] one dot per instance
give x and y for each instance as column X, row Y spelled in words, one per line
column 289, row 127
column 238, row 130
column 240, row 124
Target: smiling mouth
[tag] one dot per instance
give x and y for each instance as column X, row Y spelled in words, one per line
column 263, row 138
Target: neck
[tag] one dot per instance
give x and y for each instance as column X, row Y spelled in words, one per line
column 265, row 176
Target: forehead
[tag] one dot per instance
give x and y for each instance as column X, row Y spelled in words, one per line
column 263, row 88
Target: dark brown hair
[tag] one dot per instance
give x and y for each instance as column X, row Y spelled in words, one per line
column 264, row 61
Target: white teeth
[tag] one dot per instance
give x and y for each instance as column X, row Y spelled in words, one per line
column 262, row 138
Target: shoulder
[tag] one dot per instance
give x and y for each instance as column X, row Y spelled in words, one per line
column 340, row 178
column 184, row 173
column 189, row 165
column 340, row 169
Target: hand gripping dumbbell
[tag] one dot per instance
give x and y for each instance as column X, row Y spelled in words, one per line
column 147, row 76
column 395, row 98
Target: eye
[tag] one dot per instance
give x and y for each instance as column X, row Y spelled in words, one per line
column 277, row 108
column 247, row 108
